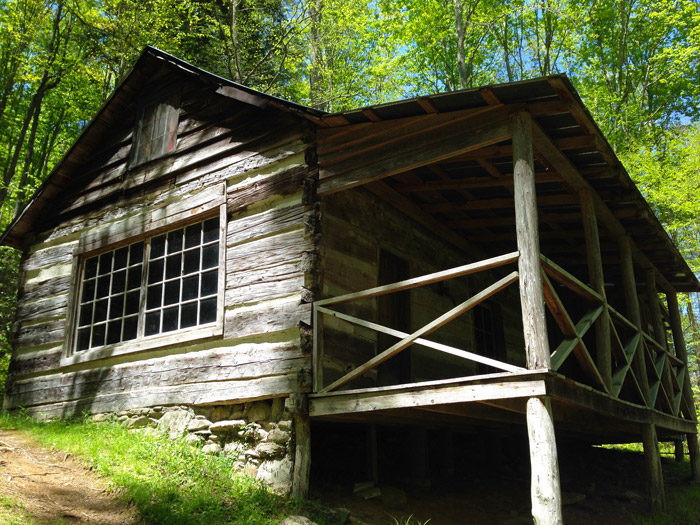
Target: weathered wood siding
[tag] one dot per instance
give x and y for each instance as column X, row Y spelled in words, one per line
column 252, row 158
column 355, row 226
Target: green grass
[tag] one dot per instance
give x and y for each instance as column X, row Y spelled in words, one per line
column 13, row 513
column 169, row 481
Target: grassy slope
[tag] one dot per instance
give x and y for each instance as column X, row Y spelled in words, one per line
column 169, row 481
column 173, row 482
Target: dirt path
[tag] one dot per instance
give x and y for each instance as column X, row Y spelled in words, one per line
column 53, row 488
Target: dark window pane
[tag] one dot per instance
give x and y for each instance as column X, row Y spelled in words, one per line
column 98, row 335
column 132, row 302
column 211, row 229
column 136, row 253
column 134, row 278
column 175, row 241
column 105, row 263
column 116, row 307
column 100, row 310
column 155, row 271
column 191, row 261
column 118, row 282
column 88, row 290
column 170, row 319
column 188, row 315
column 207, row 311
column 190, row 287
column 153, row 323
column 193, row 235
column 120, row 258
column 130, row 328
column 85, row 314
column 210, row 256
column 172, row 292
column 153, row 299
column 83, row 338
column 209, row 282
column 114, row 332
column 173, row 267
column 157, row 246
column 103, row 286
column 91, row 267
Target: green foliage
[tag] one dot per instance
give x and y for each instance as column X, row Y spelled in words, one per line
column 9, row 270
column 408, row 521
column 12, row 512
column 170, row 482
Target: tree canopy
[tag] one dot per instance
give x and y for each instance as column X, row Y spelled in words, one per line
column 636, row 65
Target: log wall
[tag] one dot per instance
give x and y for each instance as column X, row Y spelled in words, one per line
column 355, row 226
column 251, row 159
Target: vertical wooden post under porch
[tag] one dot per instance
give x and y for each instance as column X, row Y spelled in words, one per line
column 545, row 486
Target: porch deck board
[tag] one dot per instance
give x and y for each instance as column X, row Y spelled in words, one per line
column 487, row 399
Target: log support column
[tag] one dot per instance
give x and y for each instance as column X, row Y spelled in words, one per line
column 655, row 481
column 596, row 276
column 302, row 455
column 545, row 487
column 674, row 313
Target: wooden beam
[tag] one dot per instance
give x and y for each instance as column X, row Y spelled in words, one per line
column 302, row 456
column 425, row 330
column 405, row 153
column 452, row 273
column 652, row 461
column 629, row 286
column 597, row 278
column 544, row 485
column 681, row 351
column 423, row 342
column 545, row 488
column 416, row 396
column 488, row 204
column 527, row 231
column 576, row 182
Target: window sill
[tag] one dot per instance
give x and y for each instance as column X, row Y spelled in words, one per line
column 146, row 343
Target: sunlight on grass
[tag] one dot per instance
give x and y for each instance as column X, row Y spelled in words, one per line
column 13, row 513
column 169, row 481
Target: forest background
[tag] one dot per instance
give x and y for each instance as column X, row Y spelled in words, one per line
column 636, row 64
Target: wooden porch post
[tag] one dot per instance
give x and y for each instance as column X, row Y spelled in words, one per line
column 302, row 455
column 655, row 481
column 597, row 278
column 545, row 490
column 682, row 354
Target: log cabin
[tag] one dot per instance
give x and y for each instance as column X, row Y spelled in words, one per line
column 476, row 259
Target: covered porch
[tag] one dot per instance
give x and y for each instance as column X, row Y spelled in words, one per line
column 519, row 180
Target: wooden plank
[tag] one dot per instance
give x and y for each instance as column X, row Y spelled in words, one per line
column 354, row 402
column 397, row 158
column 199, row 394
column 527, row 231
column 280, row 184
column 407, row 284
column 560, row 275
column 266, row 318
column 425, row 330
column 239, row 362
column 421, row 341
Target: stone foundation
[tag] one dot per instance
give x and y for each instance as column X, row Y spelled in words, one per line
column 259, row 434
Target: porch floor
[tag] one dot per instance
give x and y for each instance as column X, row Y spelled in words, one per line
column 497, row 401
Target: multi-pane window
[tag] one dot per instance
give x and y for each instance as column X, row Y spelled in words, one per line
column 156, row 132
column 162, row 284
column 183, row 278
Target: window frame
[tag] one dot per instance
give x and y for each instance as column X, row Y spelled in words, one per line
column 109, row 242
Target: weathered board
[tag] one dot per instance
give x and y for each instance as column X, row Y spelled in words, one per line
column 248, row 159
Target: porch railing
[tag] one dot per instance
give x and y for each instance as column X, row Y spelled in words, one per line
column 665, row 373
